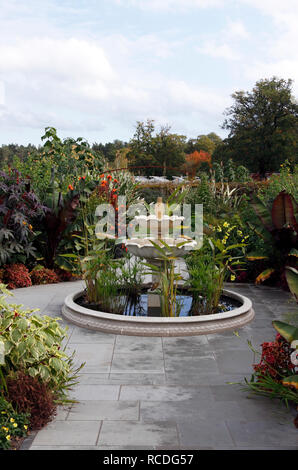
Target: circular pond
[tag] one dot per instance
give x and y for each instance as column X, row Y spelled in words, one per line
column 135, row 320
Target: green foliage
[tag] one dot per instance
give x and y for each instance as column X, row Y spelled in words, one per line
column 286, row 180
column 292, row 280
column 12, row 424
column 163, row 150
column 217, row 261
column 34, row 344
column 168, row 279
column 262, row 125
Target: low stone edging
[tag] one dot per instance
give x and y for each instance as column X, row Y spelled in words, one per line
column 159, row 326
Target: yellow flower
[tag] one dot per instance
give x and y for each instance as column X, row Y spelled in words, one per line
column 11, row 420
column 4, row 428
column 233, row 277
column 8, row 437
column 15, row 425
column 224, row 241
column 239, row 232
column 25, row 427
column 218, row 229
column 226, row 224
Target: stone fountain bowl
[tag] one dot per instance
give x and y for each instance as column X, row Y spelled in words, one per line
column 159, row 326
column 144, row 248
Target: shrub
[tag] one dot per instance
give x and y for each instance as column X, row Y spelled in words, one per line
column 275, row 359
column 63, row 275
column 33, row 344
column 28, row 395
column 19, row 210
column 16, row 275
column 13, row 425
column 41, row 275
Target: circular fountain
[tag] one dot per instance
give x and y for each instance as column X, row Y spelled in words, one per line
column 153, row 324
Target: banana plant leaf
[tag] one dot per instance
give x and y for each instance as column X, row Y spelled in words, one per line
column 289, row 332
column 292, row 280
column 262, row 212
column 264, row 275
column 283, row 211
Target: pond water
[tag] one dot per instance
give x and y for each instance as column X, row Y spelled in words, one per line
column 139, row 306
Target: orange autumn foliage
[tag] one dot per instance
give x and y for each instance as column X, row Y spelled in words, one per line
column 194, row 160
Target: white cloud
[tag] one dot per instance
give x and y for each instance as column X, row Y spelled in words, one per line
column 221, row 51
column 170, row 4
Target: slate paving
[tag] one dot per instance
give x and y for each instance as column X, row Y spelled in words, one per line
column 166, row 393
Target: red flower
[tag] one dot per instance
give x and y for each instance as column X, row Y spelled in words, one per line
column 109, row 177
column 70, row 187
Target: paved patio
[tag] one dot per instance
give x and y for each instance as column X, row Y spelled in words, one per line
column 166, row 393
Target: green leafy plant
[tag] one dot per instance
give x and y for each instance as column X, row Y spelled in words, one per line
column 13, row 425
column 216, row 262
column 34, row 344
column 168, row 279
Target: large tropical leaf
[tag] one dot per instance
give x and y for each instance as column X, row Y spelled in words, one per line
column 264, row 275
column 255, row 256
column 289, row 332
column 283, row 211
column 292, row 280
column 262, row 212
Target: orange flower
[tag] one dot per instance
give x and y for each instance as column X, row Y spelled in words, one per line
column 70, row 187
column 109, row 177
column 115, row 181
column 102, row 176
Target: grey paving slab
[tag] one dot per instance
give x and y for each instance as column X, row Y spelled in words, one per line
column 98, row 356
column 134, row 433
column 137, row 363
column 84, row 335
column 204, row 432
column 162, row 393
column 138, row 345
column 235, row 361
column 180, row 411
column 256, row 433
column 190, row 364
column 93, row 379
column 63, row 448
column 95, row 392
column 96, row 410
column 69, row 433
column 138, row 379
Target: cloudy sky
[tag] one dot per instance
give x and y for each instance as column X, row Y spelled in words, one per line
column 92, row 68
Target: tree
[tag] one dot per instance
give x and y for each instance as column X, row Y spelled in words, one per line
column 263, row 126
column 194, row 161
column 156, row 153
column 207, row 143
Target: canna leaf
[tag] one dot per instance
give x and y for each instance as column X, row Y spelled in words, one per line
column 292, row 280
column 264, row 275
column 289, row 332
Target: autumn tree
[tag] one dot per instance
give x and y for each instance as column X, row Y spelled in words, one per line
column 194, row 160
